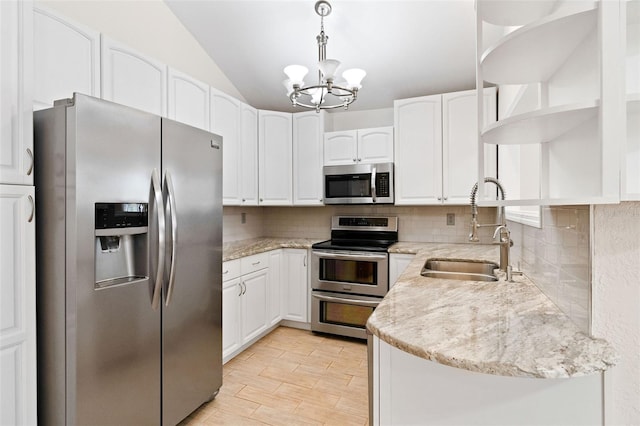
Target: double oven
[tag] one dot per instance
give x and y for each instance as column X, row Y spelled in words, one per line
column 350, row 273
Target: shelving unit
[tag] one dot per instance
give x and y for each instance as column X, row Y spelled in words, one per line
column 571, row 51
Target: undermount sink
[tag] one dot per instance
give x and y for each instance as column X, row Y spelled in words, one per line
column 454, row 269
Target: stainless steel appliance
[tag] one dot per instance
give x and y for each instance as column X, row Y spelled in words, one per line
column 129, row 265
column 350, row 273
column 358, row 184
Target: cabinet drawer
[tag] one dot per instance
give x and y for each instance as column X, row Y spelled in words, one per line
column 254, row 263
column 230, row 269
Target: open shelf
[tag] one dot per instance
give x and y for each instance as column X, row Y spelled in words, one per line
column 539, row 126
column 534, row 52
column 511, row 13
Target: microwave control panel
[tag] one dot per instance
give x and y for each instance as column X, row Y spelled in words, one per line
column 382, row 184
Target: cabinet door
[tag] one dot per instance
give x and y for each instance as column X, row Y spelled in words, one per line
column 133, row 79
column 276, row 158
column 66, row 59
column 188, row 100
column 17, row 305
column 418, row 150
column 295, row 285
column 340, row 147
column 16, row 80
column 460, row 143
column 249, row 157
column 375, row 145
column 254, row 304
column 274, row 290
column 308, row 133
column 225, row 121
column 397, row 264
column 231, row 318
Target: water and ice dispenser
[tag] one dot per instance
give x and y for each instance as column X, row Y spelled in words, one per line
column 121, row 232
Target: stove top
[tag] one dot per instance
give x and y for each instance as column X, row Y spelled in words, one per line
column 355, row 233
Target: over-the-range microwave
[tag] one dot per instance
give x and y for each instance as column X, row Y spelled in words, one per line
column 358, row 184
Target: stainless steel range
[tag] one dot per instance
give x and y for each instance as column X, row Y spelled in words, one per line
column 350, row 273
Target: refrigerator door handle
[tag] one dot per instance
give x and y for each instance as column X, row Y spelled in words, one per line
column 171, row 212
column 155, row 199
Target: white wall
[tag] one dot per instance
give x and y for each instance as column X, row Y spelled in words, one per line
column 616, row 304
column 151, row 28
column 351, row 120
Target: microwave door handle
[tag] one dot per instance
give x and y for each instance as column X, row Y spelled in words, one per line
column 369, row 304
column 373, row 184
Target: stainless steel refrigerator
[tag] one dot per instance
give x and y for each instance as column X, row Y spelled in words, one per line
column 129, row 261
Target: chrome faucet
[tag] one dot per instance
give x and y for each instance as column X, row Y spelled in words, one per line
column 501, row 227
column 473, row 236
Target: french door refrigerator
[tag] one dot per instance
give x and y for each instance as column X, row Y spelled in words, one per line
column 129, row 251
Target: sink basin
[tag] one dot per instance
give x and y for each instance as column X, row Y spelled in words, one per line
column 454, row 269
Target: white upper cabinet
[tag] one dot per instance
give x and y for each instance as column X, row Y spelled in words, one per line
column 460, row 143
column 436, row 147
column 226, row 121
column 340, row 147
column 133, row 79
column 188, row 100
column 308, row 131
column 373, row 145
column 569, row 56
column 237, row 123
column 276, row 158
column 66, row 59
column 249, row 150
column 18, row 402
column 16, row 81
column 418, row 150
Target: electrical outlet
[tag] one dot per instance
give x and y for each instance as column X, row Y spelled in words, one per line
column 451, row 219
column 243, row 218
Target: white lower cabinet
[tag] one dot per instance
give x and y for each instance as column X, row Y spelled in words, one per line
column 411, row 390
column 18, row 306
column 252, row 300
column 398, row 262
column 295, row 288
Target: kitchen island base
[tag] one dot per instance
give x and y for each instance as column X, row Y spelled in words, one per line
column 411, row 390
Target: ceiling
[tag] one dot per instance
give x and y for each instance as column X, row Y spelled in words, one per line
column 408, row 48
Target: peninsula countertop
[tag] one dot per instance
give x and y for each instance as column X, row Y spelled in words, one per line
column 501, row 328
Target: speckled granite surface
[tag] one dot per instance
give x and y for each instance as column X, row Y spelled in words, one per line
column 502, row 328
column 238, row 249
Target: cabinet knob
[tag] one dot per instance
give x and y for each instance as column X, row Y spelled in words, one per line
column 439, row 198
column 446, row 198
column 359, row 159
column 261, row 200
column 354, row 160
column 243, row 200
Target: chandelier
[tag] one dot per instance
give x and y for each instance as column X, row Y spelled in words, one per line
column 326, row 94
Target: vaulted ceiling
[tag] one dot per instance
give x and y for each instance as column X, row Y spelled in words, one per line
column 408, row 48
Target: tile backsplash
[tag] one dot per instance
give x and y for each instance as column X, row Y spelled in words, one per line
column 556, row 257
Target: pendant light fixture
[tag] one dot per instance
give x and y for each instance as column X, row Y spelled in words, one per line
column 326, row 94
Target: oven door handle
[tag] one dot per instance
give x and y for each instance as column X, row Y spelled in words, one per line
column 364, row 256
column 366, row 303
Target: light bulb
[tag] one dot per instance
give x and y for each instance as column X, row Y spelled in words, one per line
column 288, row 85
column 328, row 67
column 354, row 77
column 296, row 74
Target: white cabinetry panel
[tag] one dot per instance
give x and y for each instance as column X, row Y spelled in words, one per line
column 275, row 287
column 16, row 81
column 308, row 132
column 375, row 145
column 231, row 342
column 249, row 157
column 188, row 100
column 133, row 79
column 66, row 58
column 295, row 290
column 276, row 158
column 340, row 147
column 225, row 121
column 18, row 400
column 254, row 304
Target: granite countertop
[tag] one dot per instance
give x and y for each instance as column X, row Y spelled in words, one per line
column 501, row 328
column 238, row 249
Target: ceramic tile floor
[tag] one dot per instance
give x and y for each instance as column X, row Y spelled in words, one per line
column 292, row 377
